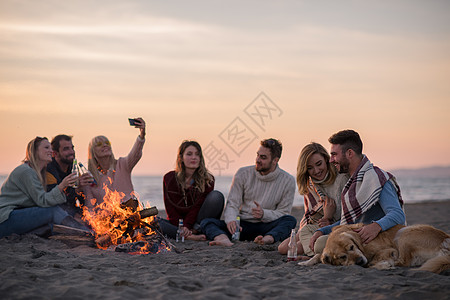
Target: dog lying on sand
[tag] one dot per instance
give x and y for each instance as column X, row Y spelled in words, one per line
column 410, row 246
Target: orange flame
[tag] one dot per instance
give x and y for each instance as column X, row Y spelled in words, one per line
column 115, row 223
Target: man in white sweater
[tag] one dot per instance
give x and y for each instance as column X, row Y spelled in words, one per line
column 262, row 196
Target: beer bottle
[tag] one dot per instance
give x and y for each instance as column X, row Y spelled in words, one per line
column 292, row 247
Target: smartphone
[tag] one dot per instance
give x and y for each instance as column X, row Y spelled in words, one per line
column 133, row 122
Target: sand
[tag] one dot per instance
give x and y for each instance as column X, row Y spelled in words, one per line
column 36, row 268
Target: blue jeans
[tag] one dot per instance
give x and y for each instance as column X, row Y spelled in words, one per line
column 24, row 220
column 212, row 207
column 280, row 229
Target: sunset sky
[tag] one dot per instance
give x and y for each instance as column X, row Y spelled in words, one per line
column 227, row 74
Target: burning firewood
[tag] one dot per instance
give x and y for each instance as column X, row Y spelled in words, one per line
column 131, row 223
column 148, row 212
column 152, row 244
column 116, row 222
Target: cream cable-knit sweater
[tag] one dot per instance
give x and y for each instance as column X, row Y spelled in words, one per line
column 274, row 192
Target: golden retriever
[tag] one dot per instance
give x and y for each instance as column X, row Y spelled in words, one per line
column 411, row 246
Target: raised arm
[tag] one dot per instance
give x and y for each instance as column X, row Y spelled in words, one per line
column 136, row 152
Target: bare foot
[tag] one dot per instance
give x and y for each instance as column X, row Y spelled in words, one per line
column 264, row 240
column 196, row 237
column 221, row 240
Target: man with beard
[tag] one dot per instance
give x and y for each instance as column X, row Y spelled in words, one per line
column 60, row 167
column 262, row 197
column 371, row 196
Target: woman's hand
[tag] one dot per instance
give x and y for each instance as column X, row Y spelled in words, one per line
column 324, row 222
column 140, row 123
column 313, row 239
column 186, row 232
column 85, row 180
column 67, row 181
column 329, row 207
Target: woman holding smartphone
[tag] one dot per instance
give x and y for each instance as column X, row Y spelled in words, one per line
column 113, row 173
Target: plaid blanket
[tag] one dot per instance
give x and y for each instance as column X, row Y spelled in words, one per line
column 363, row 190
column 313, row 202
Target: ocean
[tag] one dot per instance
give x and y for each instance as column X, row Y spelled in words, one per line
column 414, row 188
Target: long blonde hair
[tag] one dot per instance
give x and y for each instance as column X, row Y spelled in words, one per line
column 302, row 168
column 201, row 176
column 93, row 165
column 32, row 159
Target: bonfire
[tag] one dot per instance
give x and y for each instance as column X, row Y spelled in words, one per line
column 125, row 226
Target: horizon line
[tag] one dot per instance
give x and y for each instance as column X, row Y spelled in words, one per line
column 230, row 175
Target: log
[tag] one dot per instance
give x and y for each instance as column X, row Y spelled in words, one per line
column 61, row 229
column 72, row 237
column 148, row 212
column 103, row 240
column 131, row 203
column 73, row 241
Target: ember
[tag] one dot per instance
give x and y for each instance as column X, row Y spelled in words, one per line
column 123, row 227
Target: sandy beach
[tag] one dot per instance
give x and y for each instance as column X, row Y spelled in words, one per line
column 37, row 268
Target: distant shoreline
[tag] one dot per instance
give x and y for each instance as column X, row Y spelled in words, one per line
column 432, row 171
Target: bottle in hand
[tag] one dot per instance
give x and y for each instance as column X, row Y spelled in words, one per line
column 84, row 170
column 180, row 236
column 76, row 170
column 237, row 234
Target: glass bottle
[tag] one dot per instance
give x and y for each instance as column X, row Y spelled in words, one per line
column 292, row 247
column 237, row 234
column 180, row 235
column 75, row 170
column 84, row 170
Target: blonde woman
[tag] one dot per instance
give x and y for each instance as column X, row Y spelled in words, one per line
column 111, row 172
column 189, row 193
column 25, row 206
column 321, row 187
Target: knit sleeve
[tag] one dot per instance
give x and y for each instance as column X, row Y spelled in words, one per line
column 28, row 182
column 234, row 200
column 135, row 154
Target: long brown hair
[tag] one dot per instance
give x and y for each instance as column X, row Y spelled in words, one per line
column 201, row 176
column 32, row 159
column 302, row 169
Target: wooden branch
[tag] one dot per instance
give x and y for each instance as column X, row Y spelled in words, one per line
column 148, row 212
column 103, row 240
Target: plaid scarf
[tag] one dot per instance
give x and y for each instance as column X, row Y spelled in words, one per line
column 313, row 202
column 363, row 190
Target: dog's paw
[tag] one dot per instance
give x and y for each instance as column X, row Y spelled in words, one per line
column 383, row 265
column 311, row 262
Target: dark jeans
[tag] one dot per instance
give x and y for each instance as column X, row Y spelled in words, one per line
column 24, row 220
column 280, row 229
column 211, row 208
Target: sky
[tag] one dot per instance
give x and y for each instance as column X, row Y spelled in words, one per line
column 227, row 74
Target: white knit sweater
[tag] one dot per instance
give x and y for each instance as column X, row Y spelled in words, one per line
column 274, row 192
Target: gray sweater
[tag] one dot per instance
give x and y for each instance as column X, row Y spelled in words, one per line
column 274, row 192
column 23, row 189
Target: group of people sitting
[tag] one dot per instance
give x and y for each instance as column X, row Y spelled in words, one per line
column 342, row 187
